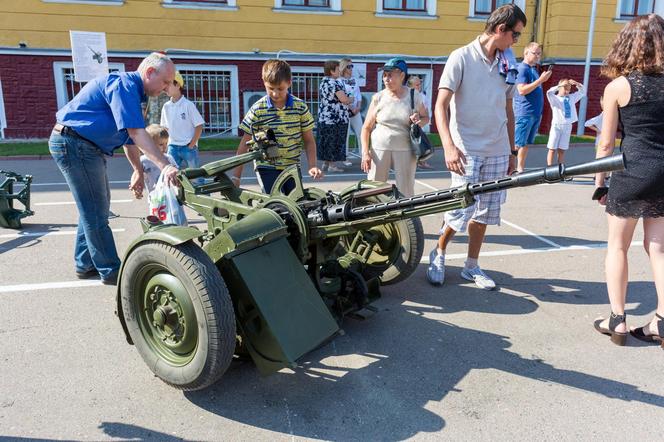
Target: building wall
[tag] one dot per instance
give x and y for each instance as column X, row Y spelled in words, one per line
column 143, row 25
column 254, row 31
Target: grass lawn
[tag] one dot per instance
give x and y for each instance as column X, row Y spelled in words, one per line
column 40, row 147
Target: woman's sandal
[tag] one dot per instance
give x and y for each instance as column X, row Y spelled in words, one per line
column 617, row 338
column 640, row 333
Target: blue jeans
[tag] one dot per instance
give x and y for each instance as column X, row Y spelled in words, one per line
column 84, row 168
column 183, row 154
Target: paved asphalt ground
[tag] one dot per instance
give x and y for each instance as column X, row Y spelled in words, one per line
column 453, row 362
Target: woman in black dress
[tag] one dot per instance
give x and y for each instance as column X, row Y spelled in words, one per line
column 635, row 99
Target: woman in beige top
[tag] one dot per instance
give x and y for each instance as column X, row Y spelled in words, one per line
column 388, row 123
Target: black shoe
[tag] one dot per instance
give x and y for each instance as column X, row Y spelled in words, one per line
column 617, row 338
column 111, row 279
column 87, row 274
column 640, row 333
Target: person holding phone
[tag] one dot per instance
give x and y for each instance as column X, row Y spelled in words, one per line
column 529, row 102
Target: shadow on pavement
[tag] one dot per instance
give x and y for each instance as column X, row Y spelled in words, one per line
column 409, row 355
column 29, row 235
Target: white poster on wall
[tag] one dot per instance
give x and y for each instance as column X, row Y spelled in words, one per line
column 88, row 51
column 3, row 118
column 360, row 73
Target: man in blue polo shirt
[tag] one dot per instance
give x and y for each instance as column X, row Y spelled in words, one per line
column 529, row 102
column 105, row 115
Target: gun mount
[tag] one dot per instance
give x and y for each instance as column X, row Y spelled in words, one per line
column 272, row 276
column 11, row 216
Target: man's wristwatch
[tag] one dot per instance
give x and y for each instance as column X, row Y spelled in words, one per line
column 515, row 152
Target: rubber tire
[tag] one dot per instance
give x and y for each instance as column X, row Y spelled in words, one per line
column 411, row 255
column 212, row 305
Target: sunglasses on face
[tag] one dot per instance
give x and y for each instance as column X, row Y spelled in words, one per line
column 515, row 34
column 350, row 66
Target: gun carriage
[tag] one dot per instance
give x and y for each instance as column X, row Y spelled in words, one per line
column 272, row 276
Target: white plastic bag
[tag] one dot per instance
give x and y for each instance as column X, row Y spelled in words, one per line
column 164, row 203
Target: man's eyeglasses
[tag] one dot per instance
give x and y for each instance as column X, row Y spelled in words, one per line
column 515, row 34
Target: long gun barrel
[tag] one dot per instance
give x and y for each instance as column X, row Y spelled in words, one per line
column 345, row 212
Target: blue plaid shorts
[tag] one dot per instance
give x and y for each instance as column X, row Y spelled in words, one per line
column 486, row 209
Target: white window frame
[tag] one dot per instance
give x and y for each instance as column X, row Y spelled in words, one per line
column 430, row 13
column 334, row 9
column 88, row 2
column 175, row 4
column 235, row 89
column 473, row 17
column 428, row 85
column 60, row 83
column 308, row 70
column 659, row 10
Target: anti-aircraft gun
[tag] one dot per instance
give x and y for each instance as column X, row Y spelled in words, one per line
column 272, row 276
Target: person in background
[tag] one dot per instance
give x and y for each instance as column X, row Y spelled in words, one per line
column 563, row 111
column 475, row 121
column 387, row 123
column 332, row 118
column 351, row 89
column 595, row 123
column 415, row 82
column 291, row 121
column 107, row 114
column 184, row 123
column 529, row 102
column 635, row 63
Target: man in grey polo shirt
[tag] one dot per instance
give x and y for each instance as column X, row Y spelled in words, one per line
column 477, row 134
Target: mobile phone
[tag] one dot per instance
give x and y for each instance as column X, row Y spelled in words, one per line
column 550, row 68
column 600, row 192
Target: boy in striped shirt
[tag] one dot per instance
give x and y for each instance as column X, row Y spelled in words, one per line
column 291, row 121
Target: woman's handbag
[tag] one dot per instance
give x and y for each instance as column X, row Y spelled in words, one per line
column 419, row 142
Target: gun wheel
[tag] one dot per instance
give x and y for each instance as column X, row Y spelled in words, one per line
column 398, row 251
column 179, row 313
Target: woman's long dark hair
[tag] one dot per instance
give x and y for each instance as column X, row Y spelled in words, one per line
column 638, row 47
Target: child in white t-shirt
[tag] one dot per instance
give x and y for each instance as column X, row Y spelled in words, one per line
column 150, row 170
column 563, row 109
column 184, row 123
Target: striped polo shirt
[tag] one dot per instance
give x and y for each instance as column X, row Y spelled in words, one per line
column 288, row 125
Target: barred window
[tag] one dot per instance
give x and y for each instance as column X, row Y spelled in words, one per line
column 305, row 87
column 210, row 91
column 486, row 7
column 631, row 8
column 405, row 5
column 313, row 3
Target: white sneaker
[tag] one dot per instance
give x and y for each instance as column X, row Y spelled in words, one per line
column 347, row 163
column 479, row 278
column 334, row 168
column 436, row 270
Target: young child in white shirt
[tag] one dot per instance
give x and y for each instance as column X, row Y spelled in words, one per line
column 150, row 170
column 563, row 109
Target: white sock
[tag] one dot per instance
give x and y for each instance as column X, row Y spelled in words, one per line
column 471, row 263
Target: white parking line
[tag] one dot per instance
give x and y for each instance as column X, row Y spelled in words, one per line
column 47, row 233
column 48, row 286
column 62, row 203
